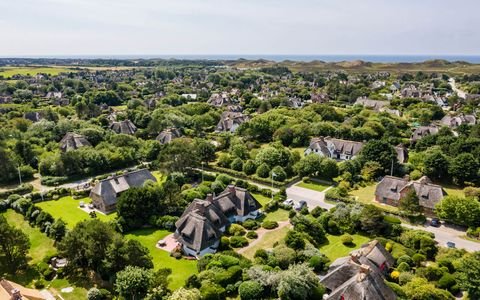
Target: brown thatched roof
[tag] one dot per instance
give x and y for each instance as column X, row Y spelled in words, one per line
column 125, row 127
column 167, row 135
column 73, row 141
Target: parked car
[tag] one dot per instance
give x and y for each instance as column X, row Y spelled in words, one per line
column 288, row 202
column 301, row 204
column 435, row 222
column 450, row 244
column 82, row 204
column 91, row 206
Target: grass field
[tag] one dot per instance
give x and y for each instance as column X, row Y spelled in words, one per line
column 78, row 292
column 181, row 268
column 267, row 241
column 334, row 248
column 366, row 195
column 313, row 185
column 278, row 215
column 68, row 209
column 454, row 190
column 10, row 71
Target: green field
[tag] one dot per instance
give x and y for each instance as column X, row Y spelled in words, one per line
column 10, row 71
column 334, row 248
column 40, row 244
column 78, row 292
column 68, row 209
column 267, row 241
column 366, row 195
column 278, row 215
column 181, row 268
column 313, row 185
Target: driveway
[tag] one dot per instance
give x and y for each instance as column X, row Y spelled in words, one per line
column 313, row 198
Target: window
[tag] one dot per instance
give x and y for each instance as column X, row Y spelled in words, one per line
column 384, row 199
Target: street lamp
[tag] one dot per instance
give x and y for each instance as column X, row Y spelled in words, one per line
column 202, row 170
column 19, row 174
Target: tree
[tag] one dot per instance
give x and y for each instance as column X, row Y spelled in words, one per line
column 179, row 155
column 461, row 211
column 295, row 240
column 436, row 165
column 464, row 168
column 469, row 271
column 250, row 290
column 381, row 152
column 263, row 170
column 298, row 282
column 249, row 167
column 58, row 230
column 278, row 173
column 205, row 150
column 410, row 203
column 136, row 205
column 133, row 282
column 185, row 294
column 122, row 253
column 420, row 289
column 371, row 219
column 309, row 165
column 14, row 245
column 237, row 164
column 94, row 294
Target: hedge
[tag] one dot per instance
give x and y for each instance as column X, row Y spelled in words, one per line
column 20, row 190
column 254, row 178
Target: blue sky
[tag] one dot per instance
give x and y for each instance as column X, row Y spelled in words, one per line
column 126, row 27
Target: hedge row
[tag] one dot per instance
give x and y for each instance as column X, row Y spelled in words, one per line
column 254, row 178
column 20, row 190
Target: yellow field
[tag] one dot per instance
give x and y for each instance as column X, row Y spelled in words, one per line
column 8, row 72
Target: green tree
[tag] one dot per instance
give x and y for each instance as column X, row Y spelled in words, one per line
column 420, row 289
column 410, row 203
column 250, row 290
column 249, row 167
column 461, row 211
column 469, row 274
column 371, row 219
column 122, row 253
column 309, row 165
column 436, row 165
column 179, row 155
column 464, row 167
column 299, row 282
column 263, row 170
column 133, row 282
column 205, row 150
column 58, row 230
column 14, row 245
column 381, row 152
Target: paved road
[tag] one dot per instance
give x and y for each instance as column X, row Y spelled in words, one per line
column 443, row 234
column 313, row 198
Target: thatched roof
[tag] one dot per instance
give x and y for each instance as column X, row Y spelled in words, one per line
column 229, row 120
column 339, row 146
column 455, row 121
column 423, row 131
column 73, row 141
column 125, row 127
column 371, row 104
column 11, row 290
column 167, row 135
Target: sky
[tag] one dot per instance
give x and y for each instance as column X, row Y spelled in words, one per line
column 182, row 27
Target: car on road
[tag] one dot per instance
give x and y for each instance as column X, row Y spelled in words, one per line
column 82, row 204
column 435, row 222
column 288, row 202
column 450, row 244
column 301, row 204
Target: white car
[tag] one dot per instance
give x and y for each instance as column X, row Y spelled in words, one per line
column 82, row 204
column 91, row 206
column 288, row 202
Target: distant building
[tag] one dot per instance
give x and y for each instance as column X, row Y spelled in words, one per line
column 229, row 121
column 222, row 99
column 169, row 134
column 455, row 121
column 33, row 116
column 392, row 189
column 203, row 222
column 189, row 96
column 375, row 105
column 105, row 193
column 10, row 290
column 334, row 148
column 124, row 127
column 360, row 275
column 73, row 141
column 422, row 132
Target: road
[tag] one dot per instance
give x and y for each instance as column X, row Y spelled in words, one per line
column 443, row 234
column 459, row 92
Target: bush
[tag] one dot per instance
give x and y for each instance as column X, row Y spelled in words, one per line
column 250, row 290
column 249, row 167
column 261, row 253
column 251, row 224
column 405, row 277
column 280, row 174
column 269, row 224
column 166, row 222
column 53, row 180
column 39, row 284
column 237, row 230
column 318, row 263
column 263, row 171
column 237, row 164
column 395, row 275
column 238, row 241
column 447, row 281
column 212, row 291
column 252, row 235
column 347, row 239
column 94, row 294
column 392, row 219
column 406, row 259
column 418, row 259
column 224, row 242
column 224, row 178
column 294, row 240
column 403, row 267
column 317, row 212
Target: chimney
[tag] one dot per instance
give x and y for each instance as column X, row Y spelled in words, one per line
column 231, row 189
column 16, row 295
column 209, row 197
column 363, row 272
column 355, row 257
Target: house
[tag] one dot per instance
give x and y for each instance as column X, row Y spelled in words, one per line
column 33, row 116
column 390, row 190
column 124, row 127
column 189, row 96
column 423, row 131
column 10, row 290
column 376, row 105
column 229, row 121
column 73, row 141
column 334, row 148
column 455, row 121
column 57, row 95
column 105, row 193
column 319, row 98
column 202, row 224
column 410, row 91
column 219, row 100
column 360, row 275
column 235, row 108
column 391, row 111
column 167, row 135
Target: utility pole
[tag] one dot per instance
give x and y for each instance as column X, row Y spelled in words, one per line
column 202, row 171
column 272, row 184
column 19, row 174
column 391, row 169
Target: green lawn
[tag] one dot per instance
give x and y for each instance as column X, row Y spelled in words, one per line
column 454, row 190
column 267, row 241
column 278, row 215
column 10, row 71
column 68, row 209
column 40, row 244
column 313, row 185
column 78, row 292
column 334, row 248
column 261, row 198
column 181, row 268
column 366, row 195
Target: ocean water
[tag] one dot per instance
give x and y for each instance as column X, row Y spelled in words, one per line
column 280, row 57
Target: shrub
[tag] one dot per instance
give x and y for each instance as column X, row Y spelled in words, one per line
column 252, row 235
column 224, row 242
column 392, row 219
column 318, row 263
column 395, row 275
column 269, row 224
column 224, row 178
column 263, row 171
column 251, row 224
column 39, row 284
column 279, row 174
column 447, row 281
column 261, row 253
column 294, row 240
column 405, row 277
column 317, row 212
column 238, row 241
column 418, row 259
column 250, row 290
column 94, row 294
column 249, row 167
column 237, row 164
column 403, row 267
column 347, row 239
column 212, row 291
column 166, row 222
column 236, row 230
column 405, row 258
column 388, row 247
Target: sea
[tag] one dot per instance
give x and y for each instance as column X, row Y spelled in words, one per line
column 282, row 57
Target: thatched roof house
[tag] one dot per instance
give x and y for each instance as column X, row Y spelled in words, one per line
column 334, row 148
column 167, row 135
column 376, row 105
column 455, row 121
column 104, row 194
column 423, row 131
column 124, row 127
column 221, row 99
column 73, row 141
column 200, row 227
column 360, row 276
column 229, row 121
column 10, row 290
